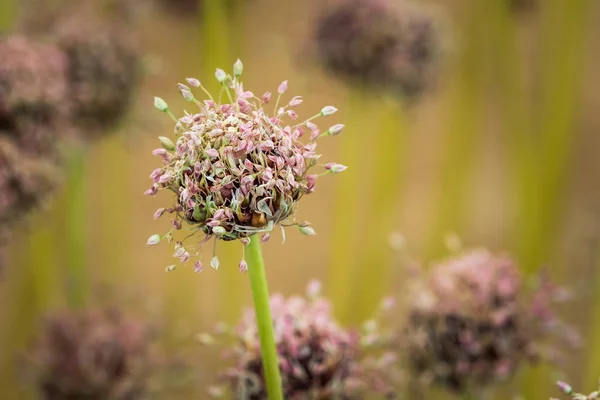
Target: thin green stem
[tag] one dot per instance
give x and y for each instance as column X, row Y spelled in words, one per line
column 78, row 281
column 260, row 296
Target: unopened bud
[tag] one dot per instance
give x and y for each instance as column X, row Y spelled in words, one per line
column 187, row 95
column 565, row 387
column 283, row 86
column 214, row 263
column 193, row 82
column 238, row 68
column 219, row 230
column 205, row 339
column 170, row 268
column 158, row 213
column 329, row 110
column 337, row 168
column 153, row 240
column 266, row 97
column 198, row 266
column 296, row 101
column 307, row 230
column 265, row 238
column 243, row 266
column 335, row 130
column 160, row 104
column 220, row 75
column 166, row 143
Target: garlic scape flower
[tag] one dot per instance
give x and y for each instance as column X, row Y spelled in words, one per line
column 236, row 168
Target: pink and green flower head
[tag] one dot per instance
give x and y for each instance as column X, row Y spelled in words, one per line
column 237, row 166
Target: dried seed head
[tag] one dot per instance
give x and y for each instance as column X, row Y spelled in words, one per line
column 236, row 170
column 471, row 324
column 92, row 355
column 392, row 45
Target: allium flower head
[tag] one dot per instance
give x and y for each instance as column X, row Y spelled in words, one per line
column 104, row 66
column 471, row 324
column 33, row 92
column 235, row 168
column 92, row 355
column 381, row 43
column 318, row 359
column 25, row 183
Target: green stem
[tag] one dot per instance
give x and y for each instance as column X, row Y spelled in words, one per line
column 260, row 295
column 76, row 236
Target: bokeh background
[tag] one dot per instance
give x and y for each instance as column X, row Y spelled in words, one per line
column 501, row 152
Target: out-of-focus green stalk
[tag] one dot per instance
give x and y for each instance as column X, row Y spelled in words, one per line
column 78, row 279
column 373, row 276
column 264, row 321
column 541, row 139
column 462, row 139
column 347, row 212
column 593, row 344
column 7, row 14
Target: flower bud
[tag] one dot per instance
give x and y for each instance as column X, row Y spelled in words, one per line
column 214, row 263
column 198, row 266
column 167, row 143
column 243, row 266
column 266, row 97
column 337, row 168
column 336, row 129
column 220, row 75
column 238, row 68
column 565, row 387
column 282, row 87
column 328, row 110
column 265, row 238
column 219, row 230
column 296, row 101
column 158, row 213
column 170, row 268
column 160, row 104
column 187, row 95
column 153, row 240
column 307, row 230
column 193, row 82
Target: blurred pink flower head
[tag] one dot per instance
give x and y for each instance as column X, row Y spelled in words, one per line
column 471, row 323
column 318, row 359
column 235, row 168
column 92, row 355
column 381, row 43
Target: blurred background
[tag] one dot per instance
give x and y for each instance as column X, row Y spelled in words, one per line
column 498, row 149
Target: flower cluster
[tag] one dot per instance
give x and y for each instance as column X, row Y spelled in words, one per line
column 470, row 324
column 32, row 111
column 234, row 169
column 392, row 45
column 92, row 355
column 32, row 93
column 104, row 67
column 318, row 359
column 566, row 388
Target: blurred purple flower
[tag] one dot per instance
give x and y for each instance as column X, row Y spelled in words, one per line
column 472, row 324
column 318, row 358
column 381, row 43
